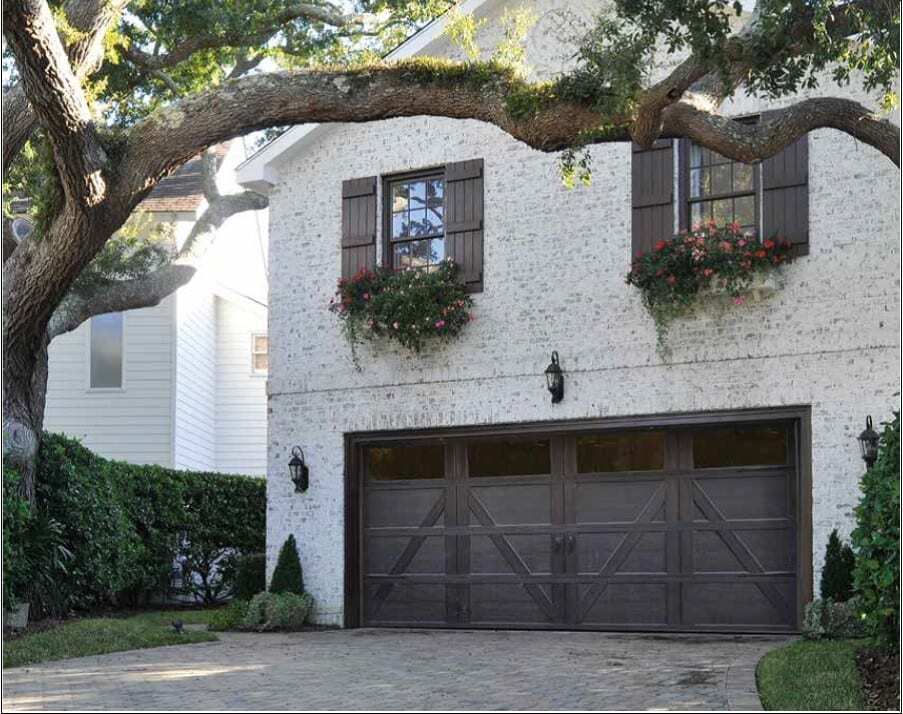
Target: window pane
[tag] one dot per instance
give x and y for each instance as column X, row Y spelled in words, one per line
column 696, row 181
column 723, row 211
column 699, row 212
column 420, row 253
column 402, row 255
column 417, row 194
column 437, row 250
column 418, row 222
column 743, row 177
column 509, row 458
column 721, row 179
column 106, row 350
column 434, row 220
column 745, row 210
column 626, row 451
column 697, row 154
column 399, row 197
column 390, row 463
column 435, row 192
column 740, row 446
column 261, row 344
column 261, row 362
column 400, row 225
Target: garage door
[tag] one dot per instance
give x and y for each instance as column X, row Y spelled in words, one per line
column 644, row 529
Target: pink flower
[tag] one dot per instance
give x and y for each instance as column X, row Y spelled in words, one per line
column 440, row 324
column 366, row 296
column 708, row 272
column 738, row 301
column 396, row 325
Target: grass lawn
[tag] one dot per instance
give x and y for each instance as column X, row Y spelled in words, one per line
column 99, row 635
column 818, row 675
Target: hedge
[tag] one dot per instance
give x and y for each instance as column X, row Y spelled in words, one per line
column 124, row 527
column 876, row 539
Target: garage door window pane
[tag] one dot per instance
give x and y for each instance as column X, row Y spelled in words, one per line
column 392, row 463
column 740, row 446
column 624, row 451
column 509, row 458
column 106, row 351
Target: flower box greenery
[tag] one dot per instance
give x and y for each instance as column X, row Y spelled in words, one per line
column 412, row 307
column 697, row 264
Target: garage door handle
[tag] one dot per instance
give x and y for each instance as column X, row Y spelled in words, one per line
column 572, row 541
column 557, row 543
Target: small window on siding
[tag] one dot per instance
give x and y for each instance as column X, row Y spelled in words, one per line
column 260, row 354
column 106, row 351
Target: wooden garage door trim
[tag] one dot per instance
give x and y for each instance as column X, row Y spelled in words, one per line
column 355, row 443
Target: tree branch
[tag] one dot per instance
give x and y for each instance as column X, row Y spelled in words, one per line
column 56, row 96
column 150, row 289
column 328, row 15
column 90, row 19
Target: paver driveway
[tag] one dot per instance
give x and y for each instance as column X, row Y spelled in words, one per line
column 409, row 669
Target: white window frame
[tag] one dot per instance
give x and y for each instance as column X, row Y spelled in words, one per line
column 254, row 371
column 121, row 387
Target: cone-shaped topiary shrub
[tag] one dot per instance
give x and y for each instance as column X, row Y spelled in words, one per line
column 837, row 574
column 288, row 577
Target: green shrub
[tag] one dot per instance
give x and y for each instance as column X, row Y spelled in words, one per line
column 125, row 526
column 837, row 573
column 876, row 540
column 829, row 620
column 250, row 575
column 288, row 576
column 269, row 611
column 229, row 617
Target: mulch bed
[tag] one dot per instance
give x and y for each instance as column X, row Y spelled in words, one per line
column 880, row 673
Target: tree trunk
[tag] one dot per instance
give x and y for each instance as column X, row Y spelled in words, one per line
column 24, row 394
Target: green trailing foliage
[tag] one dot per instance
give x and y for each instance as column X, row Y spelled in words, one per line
column 287, row 575
column 412, row 307
column 673, row 275
column 113, row 531
column 837, row 573
column 876, row 541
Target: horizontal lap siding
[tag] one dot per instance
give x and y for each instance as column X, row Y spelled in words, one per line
column 134, row 424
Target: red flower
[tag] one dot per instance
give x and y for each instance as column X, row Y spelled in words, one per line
column 661, row 245
column 760, row 253
column 768, row 243
column 671, row 280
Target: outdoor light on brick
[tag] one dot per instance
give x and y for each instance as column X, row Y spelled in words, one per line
column 555, row 379
column 868, row 443
column 298, row 469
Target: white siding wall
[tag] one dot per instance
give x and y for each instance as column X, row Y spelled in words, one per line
column 241, row 402
column 134, row 423
column 555, row 262
column 194, row 438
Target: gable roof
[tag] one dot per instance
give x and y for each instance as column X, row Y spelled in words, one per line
column 255, row 172
column 183, row 191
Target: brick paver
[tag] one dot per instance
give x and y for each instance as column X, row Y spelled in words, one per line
column 410, row 669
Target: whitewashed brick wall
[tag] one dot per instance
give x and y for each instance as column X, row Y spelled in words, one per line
column 555, row 262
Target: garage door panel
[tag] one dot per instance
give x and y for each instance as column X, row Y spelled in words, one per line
column 492, row 603
column 406, row 602
column 743, row 605
column 745, row 496
column 628, row 552
column 534, row 552
column 712, row 551
column 618, row 501
column 386, row 554
column 402, row 507
column 616, row 604
column 510, row 505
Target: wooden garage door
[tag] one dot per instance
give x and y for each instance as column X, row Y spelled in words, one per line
column 651, row 529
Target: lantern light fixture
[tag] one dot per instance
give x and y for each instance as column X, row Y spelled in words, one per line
column 555, row 379
column 868, row 443
column 298, row 470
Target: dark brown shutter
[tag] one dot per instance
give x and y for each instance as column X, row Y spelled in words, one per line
column 358, row 225
column 785, row 195
column 464, row 219
column 652, row 195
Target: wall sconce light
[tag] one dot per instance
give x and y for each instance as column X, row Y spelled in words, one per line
column 868, row 443
column 298, row 470
column 555, row 379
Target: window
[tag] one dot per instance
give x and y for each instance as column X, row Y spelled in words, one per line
column 509, row 458
column 415, row 221
column 621, row 451
column 260, row 353
column 722, row 190
column 752, row 445
column 404, row 463
column 106, row 351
